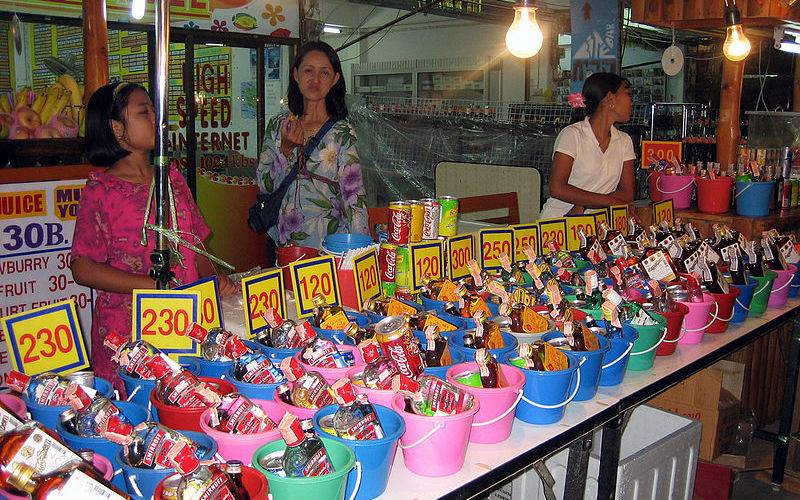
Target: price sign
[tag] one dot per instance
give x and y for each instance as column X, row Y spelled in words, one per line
column 552, row 230
column 46, row 339
column 660, row 150
column 459, row 252
column 619, row 217
column 210, row 309
column 259, row 293
column 426, row 260
column 160, row 315
column 312, row 277
column 600, row 215
column 365, row 269
column 493, row 242
column 663, row 211
column 525, row 234
column 576, row 222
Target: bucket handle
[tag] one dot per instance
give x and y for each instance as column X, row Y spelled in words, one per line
column 502, row 415
column 150, row 406
column 132, row 482
column 764, row 287
column 781, row 288
column 118, row 472
column 354, row 494
column 566, row 401
column 713, row 319
column 724, row 320
column 219, row 458
column 655, row 346
column 133, row 392
column 116, row 395
column 658, row 185
column 619, row 358
column 424, row 438
column 742, row 191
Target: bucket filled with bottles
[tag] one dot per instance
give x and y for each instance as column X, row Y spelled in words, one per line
column 674, row 317
column 725, row 302
column 240, row 425
column 714, row 194
column 741, row 305
column 138, row 389
column 241, row 476
column 758, row 304
column 780, row 287
column 752, row 198
column 678, row 188
column 619, row 353
column 701, row 314
column 205, row 393
column 589, row 357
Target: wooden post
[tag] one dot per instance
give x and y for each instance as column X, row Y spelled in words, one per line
column 728, row 131
column 796, row 86
column 95, row 45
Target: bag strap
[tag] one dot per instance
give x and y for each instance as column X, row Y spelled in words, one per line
column 311, row 145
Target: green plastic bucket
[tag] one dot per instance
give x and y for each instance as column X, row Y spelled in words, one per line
column 644, row 349
column 597, row 314
column 761, row 296
column 328, row 487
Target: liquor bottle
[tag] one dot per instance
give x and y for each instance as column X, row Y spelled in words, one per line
column 379, row 369
column 78, row 480
column 356, row 418
column 208, row 481
column 437, row 288
column 489, row 330
column 783, row 185
column 282, row 333
column 33, row 445
column 257, row 368
column 236, row 414
column 48, row 388
column 324, row 312
column 533, row 355
column 735, row 267
column 131, row 355
column 309, row 389
column 357, row 333
column 491, row 374
column 150, row 445
column 432, row 396
column 773, row 258
column 304, row 456
column 284, row 393
column 378, row 305
column 322, row 352
column 216, row 344
column 178, row 387
column 755, row 259
column 234, row 470
column 92, row 414
column 636, row 237
column 590, row 249
column 574, row 335
column 437, row 352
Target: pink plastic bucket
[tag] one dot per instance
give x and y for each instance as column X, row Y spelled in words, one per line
column 331, row 375
column 725, row 302
column 435, row 446
column 698, row 319
column 15, row 404
column 676, row 187
column 298, row 411
column 375, row 396
column 493, row 421
column 780, row 287
column 100, row 463
column 243, row 446
column 288, row 254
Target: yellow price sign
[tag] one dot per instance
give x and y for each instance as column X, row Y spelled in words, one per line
column 261, row 292
column 576, row 222
column 161, row 317
column 210, row 308
column 459, row 252
column 426, row 260
column 46, row 339
column 365, row 271
column 525, row 234
column 494, row 242
column 619, row 217
column 664, row 211
column 312, row 277
column 552, row 231
column 600, row 215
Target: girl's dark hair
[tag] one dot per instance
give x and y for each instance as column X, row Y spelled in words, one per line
column 597, row 87
column 106, row 104
column 334, row 101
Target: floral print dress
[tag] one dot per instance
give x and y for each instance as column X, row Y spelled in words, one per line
column 327, row 197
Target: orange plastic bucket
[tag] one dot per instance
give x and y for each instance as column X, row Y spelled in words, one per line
column 291, row 253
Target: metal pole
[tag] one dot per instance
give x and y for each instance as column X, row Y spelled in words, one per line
column 422, row 8
column 160, row 271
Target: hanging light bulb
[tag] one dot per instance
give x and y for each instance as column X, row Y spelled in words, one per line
column 524, row 36
column 736, row 46
column 137, row 8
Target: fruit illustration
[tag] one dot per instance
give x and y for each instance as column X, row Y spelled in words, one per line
column 244, row 21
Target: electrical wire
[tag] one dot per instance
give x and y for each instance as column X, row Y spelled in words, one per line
column 376, row 41
column 360, row 24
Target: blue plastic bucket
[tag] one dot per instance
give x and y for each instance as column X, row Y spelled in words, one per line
column 455, row 356
column 276, row 355
column 590, row 369
column 613, row 369
column 134, row 412
column 48, row 415
column 138, row 390
column 338, row 336
column 794, row 288
column 545, row 395
column 141, row 483
column 456, row 343
column 741, row 307
column 752, row 198
column 212, row 369
column 252, row 391
column 374, row 458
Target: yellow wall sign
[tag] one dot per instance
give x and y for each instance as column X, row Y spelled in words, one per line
column 259, row 293
column 663, row 211
column 46, row 339
column 552, row 231
column 619, row 218
column 365, row 271
column 161, row 316
column 210, row 308
column 576, row 222
column 312, row 277
column 459, row 252
column 426, row 260
column 660, row 150
column 525, row 234
column 492, row 243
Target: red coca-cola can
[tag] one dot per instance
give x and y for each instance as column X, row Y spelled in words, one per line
column 399, row 223
column 387, row 261
column 391, row 334
column 432, row 210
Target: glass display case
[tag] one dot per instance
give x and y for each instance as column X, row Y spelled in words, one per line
column 690, row 123
column 773, row 129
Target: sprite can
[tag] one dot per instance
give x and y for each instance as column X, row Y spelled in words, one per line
column 388, row 289
column 402, row 273
column 448, row 221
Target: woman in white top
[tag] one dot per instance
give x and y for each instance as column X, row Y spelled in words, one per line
column 593, row 161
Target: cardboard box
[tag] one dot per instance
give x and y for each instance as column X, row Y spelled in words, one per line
column 712, row 397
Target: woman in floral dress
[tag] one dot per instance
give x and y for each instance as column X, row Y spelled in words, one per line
column 328, row 195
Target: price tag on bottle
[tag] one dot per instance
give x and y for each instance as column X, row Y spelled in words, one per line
column 312, row 277
column 365, row 271
column 619, row 217
column 259, row 293
column 575, row 223
column 161, row 316
column 663, row 211
column 552, row 231
column 657, row 267
column 46, row 339
column 210, row 308
column 525, row 234
column 459, row 252
column 494, row 242
column 599, row 214
column 426, row 260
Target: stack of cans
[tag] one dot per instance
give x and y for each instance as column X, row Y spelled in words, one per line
column 413, row 221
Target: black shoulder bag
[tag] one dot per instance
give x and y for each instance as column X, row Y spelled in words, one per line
column 264, row 214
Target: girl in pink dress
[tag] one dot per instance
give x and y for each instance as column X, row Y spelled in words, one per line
column 107, row 253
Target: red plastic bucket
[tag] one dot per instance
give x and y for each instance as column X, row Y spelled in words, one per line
column 243, row 446
column 291, row 253
column 725, row 303
column 714, row 195
column 655, row 194
column 674, row 328
column 347, row 286
column 676, row 187
column 186, row 419
column 254, row 482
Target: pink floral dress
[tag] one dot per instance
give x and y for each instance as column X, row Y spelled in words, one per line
column 108, row 230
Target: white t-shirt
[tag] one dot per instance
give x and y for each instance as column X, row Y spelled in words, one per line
column 592, row 169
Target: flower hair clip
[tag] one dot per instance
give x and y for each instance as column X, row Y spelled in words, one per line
column 576, row 100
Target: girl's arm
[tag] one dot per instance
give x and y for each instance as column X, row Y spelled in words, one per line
column 205, row 268
column 93, row 274
column 561, row 188
column 626, row 189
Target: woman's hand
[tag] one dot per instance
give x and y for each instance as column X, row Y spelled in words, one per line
column 292, row 135
column 227, row 286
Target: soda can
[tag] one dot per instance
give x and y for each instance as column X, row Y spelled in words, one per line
column 388, row 289
column 402, row 272
column 390, row 332
column 795, row 193
column 387, row 261
column 417, row 215
column 273, row 463
column 399, row 223
column 432, row 212
column 84, row 378
column 448, row 221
